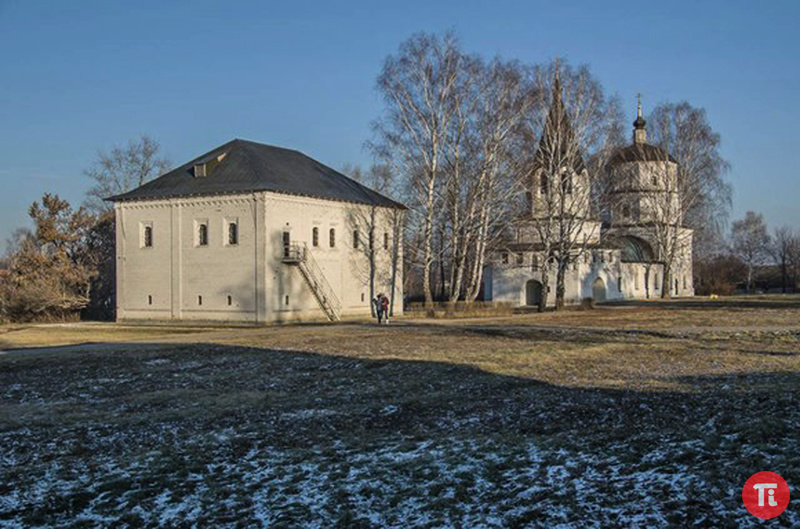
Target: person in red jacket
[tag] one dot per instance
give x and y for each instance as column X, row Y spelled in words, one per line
column 384, row 301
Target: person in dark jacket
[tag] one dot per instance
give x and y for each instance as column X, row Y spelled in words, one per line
column 379, row 307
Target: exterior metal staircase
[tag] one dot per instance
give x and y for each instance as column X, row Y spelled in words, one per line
column 298, row 254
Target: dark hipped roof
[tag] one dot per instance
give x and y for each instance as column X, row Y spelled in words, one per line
column 640, row 152
column 249, row 166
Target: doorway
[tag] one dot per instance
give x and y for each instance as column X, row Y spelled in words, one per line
column 533, row 293
column 599, row 289
column 287, row 243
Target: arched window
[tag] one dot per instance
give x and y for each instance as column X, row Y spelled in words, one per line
column 332, row 238
column 148, row 236
column 233, row 233
column 544, row 185
column 356, row 239
column 315, row 237
column 654, row 179
column 626, row 211
column 202, row 234
column 385, row 240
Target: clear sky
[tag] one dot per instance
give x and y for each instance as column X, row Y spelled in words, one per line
column 82, row 75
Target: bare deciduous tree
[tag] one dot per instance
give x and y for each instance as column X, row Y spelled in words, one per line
column 750, row 242
column 418, row 86
column 689, row 193
column 123, row 169
column 377, row 235
column 785, row 249
column 577, row 123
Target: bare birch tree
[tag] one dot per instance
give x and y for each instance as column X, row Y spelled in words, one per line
column 688, row 186
column 417, row 85
column 750, row 242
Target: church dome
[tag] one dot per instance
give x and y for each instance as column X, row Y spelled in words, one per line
column 640, row 152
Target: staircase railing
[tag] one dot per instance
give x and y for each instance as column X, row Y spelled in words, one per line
column 297, row 253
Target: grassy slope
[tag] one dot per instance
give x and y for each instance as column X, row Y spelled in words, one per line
column 631, row 415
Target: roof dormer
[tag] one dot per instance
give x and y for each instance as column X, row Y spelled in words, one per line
column 206, row 166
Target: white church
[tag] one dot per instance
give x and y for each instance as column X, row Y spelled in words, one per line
column 254, row 233
column 621, row 257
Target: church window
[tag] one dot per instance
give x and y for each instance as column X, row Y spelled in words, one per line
column 626, row 211
column 654, row 180
column 147, row 237
column 655, row 282
column 504, row 258
column 528, row 201
column 286, row 300
column 315, row 237
column 385, row 240
column 202, row 234
column 230, row 301
column 356, row 239
column 332, row 238
column 233, row 233
column 543, row 184
column 149, row 300
column 200, row 300
column 684, row 282
column 636, row 281
column 520, row 258
column 619, row 283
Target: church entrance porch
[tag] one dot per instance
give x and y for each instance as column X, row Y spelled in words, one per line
column 533, row 293
column 599, row 289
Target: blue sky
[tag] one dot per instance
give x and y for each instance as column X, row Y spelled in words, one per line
column 80, row 76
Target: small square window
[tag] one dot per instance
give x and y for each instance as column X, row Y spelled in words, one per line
column 504, row 258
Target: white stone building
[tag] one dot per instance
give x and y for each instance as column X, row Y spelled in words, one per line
column 254, row 233
column 623, row 257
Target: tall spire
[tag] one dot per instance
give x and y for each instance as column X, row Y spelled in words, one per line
column 639, row 132
column 558, row 145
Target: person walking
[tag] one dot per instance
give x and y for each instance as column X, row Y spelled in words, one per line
column 385, row 307
column 379, row 308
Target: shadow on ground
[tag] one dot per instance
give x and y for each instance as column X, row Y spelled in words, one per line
column 235, row 434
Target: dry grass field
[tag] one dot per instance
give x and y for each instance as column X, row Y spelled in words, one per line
column 645, row 414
